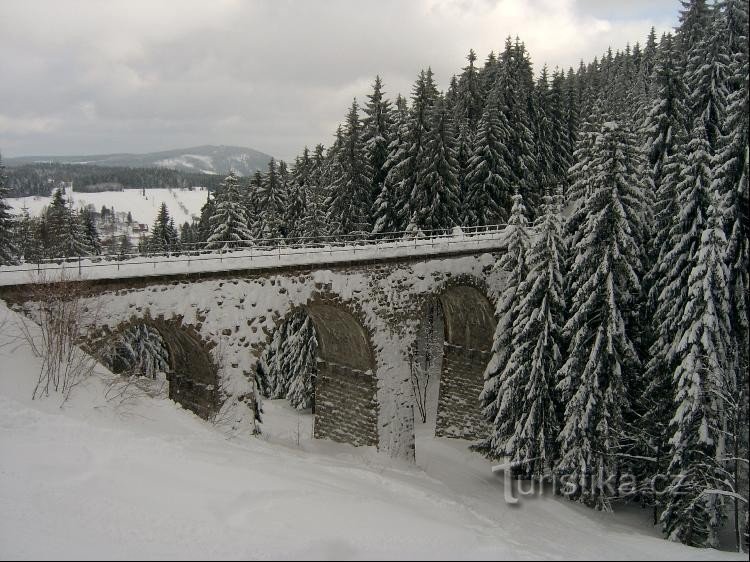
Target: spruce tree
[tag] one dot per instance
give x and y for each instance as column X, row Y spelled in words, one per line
column 314, row 225
column 229, row 222
column 387, row 214
column 298, row 194
column 470, row 99
column 501, row 385
column 91, row 241
column 163, row 236
column 666, row 115
column 412, row 162
column 271, row 204
column 8, row 250
column 435, row 198
column 528, row 436
column 377, row 129
column 694, row 22
column 707, row 81
column 489, row 191
column 297, row 361
column 605, row 292
column 730, row 181
column 694, row 512
column 350, row 203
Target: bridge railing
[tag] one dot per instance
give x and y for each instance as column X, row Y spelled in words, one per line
column 273, row 247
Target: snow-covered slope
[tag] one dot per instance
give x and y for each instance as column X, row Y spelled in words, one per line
column 183, row 204
column 98, row 479
column 208, row 159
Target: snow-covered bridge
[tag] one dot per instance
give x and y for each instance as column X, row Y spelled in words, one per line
column 367, row 299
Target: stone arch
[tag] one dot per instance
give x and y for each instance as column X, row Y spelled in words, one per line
column 192, row 375
column 346, row 405
column 469, row 327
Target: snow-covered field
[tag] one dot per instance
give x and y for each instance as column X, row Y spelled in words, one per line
column 183, row 204
column 145, row 479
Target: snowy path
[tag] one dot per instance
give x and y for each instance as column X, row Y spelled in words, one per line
column 149, row 480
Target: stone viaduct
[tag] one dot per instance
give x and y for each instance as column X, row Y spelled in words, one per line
column 366, row 314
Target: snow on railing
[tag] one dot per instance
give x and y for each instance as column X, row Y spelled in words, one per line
column 296, row 250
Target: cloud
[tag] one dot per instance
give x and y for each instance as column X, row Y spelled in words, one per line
column 90, row 76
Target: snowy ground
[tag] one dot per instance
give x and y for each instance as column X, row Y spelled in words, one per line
column 145, row 479
column 183, row 204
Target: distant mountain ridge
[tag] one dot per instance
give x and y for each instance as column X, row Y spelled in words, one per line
column 207, row 159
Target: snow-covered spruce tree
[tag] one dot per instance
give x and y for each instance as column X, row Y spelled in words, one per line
column 682, row 205
column 580, row 174
column 605, row 293
column 557, row 113
column 731, row 182
column 529, row 438
column 387, row 216
column 266, row 373
column 28, row 243
column 287, row 368
column 204, row 222
column 656, row 390
column 229, row 222
column 516, row 88
column 489, row 192
column 694, row 511
column 377, row 134
column 313, row 223
column 252, row 201
column 271, row 204
column 435, row 198
column 296, row 361
column 57, row 223
column 164, row 237
column 350, row 202
column 469, row 92
column 8, row 250
column 664, row 152
column 139, row 351
column 694, row 22
column 666, row 114
column 91, row 241
column 64, row 233
column 408, row 169
column 502, row 387
column 707, row 80
column 297, row 194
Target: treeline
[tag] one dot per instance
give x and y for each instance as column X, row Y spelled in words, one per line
column 41, row 178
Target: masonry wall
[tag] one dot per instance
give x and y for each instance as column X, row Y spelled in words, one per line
column 346, row 407
column 459, row 413
column 234, row 314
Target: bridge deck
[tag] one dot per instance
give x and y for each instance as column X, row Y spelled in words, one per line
column 282, row 257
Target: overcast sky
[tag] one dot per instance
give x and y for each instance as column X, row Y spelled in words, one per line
column 85, row 77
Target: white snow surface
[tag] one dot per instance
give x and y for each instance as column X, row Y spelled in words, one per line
column 183, row 204
column 93, row 479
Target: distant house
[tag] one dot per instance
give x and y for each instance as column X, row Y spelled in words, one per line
column 140, row 227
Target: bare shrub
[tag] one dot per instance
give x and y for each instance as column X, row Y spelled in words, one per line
column 420, row 380
column 57, row 313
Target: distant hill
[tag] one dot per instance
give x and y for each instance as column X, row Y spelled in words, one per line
column 201, row 159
